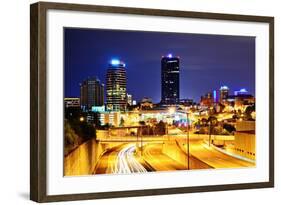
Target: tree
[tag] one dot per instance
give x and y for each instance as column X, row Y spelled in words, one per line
column 122, row 121
column 142, row 123
column 71, row 139
column 225, row 132
column 212, row 120
column 83, row 129
column 204, row 121
column 249, row 111
column 160, row 128
column 88, row 131
column 230, row 128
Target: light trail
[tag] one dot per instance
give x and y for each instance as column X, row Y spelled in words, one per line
column 126, row 162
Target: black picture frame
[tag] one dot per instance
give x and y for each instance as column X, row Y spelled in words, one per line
column 38, row 103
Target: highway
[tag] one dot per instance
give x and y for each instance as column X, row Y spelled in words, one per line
column 124, row 159
column 154, row 156
column 120, row 160
column 214, row 158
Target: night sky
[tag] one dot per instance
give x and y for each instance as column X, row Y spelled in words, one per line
column 206, row 61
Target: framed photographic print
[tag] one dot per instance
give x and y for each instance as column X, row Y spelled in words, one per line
column 134, row 102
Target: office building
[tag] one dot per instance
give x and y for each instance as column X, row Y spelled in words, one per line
column 91, row 93
column 116, row 86
column 170, row 80
column 224, row 92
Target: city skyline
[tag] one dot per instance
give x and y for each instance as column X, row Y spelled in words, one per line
column 201, row 74
column 167, row 130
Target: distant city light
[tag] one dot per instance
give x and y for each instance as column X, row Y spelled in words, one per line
column 115, row 62
column 215, row 95
column 172, row 110
column 241, row 91
column 170, row 55
column 224, row 87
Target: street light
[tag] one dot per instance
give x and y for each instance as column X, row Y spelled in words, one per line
column 209, row 133
column 212, row 122
column 187, row 140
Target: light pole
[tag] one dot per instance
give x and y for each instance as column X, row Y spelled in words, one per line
column 141, row 139
column 209, row 133
column 187, row 140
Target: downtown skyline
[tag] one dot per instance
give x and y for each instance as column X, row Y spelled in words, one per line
column 202, row 66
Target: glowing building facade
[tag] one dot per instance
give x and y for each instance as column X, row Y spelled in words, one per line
column 224, row 92
column 116, row 86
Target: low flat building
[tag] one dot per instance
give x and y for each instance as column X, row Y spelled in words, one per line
column 245, row 139
column 72, row 102
column 146, row 103
column 207, row 100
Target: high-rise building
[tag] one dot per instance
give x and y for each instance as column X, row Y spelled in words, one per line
column 91, row 93
column 129, row 99
column 116, row 86
column 224, row 92
column 170, row 80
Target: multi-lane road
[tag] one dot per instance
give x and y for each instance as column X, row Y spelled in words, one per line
column 120, row 160
column 124, row 158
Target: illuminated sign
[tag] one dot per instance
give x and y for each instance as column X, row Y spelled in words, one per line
column 98, row 108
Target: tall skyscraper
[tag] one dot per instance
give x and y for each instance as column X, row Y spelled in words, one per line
column 91, row 93
column 224, row 92
column 170, row 80
column 116, row 86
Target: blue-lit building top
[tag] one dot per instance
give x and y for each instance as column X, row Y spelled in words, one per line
column 224, row 93
column 116, row 63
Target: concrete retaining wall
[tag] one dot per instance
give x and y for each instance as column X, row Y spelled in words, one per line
column 82, row 160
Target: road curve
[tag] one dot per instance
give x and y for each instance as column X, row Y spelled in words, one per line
column 120, row 160
column 126, row 162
